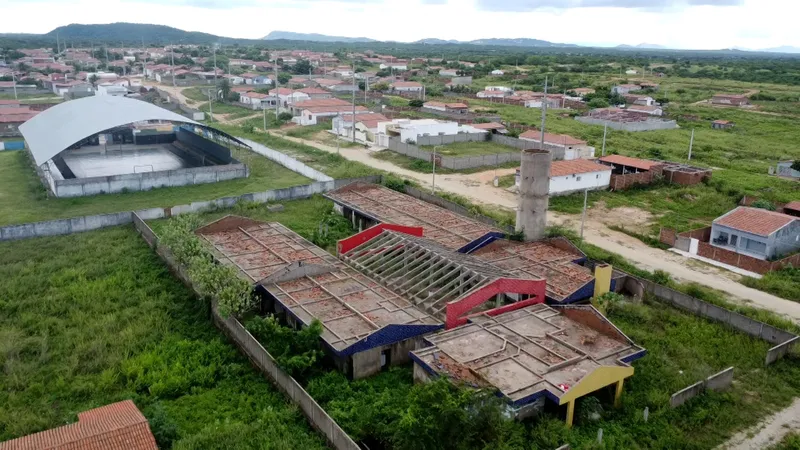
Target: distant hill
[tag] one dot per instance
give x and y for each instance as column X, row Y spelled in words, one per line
column 641, row 46
column 782, row 49
column 314, row 37
column 519, row 42
column 127, row 32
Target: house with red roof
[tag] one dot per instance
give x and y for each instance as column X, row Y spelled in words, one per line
column 757, row 233
column 115, row 426
column 574, row 148
column 577, row 175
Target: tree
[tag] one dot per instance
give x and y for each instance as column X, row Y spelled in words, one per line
column 284, row 78
column 796, row 165
column 763, row 204
column 224, row 88
column 233, row 96
column 303, row 66
column 598, row 103
column 93, row 80
column 380, row 87
column 416, row 103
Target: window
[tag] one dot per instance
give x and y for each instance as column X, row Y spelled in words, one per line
column 755, row 246
column 579, row 179
column 734, row 240
column 722, row 238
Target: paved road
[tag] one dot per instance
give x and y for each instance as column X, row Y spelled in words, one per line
column 475, row 187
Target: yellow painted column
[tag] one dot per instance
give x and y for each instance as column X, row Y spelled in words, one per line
column 602, row 279
column 570, row 413
column 618, row 394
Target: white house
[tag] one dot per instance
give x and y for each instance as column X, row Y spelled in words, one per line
column 573, row 148
column 394, row 66
column 342, row 72
column 623, row 89
column 366, row 126
column 498, row 88
column 288, row 97
column 553, row 101
column 257, row 100
column 407, row 86
column 498, row 72
column 407, row 129
column 448, row 73
column 644, row 100
column 312, row 115
column 492, row 94
column 630, row 72
column 577, row 175
column 112, row 89
column 234, row 79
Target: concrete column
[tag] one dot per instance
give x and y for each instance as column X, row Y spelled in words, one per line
column 534, row 187
column 570, row 413
column 602, row 279
column 618, row 393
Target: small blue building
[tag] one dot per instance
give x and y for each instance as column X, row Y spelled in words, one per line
column 758, row 233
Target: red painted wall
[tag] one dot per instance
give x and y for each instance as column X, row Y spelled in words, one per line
column 456, row 311
column 347, row 244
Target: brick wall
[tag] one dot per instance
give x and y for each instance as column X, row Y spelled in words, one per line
column 701, row 234
column 685, row 178
column 667, row 236
column 620, row 182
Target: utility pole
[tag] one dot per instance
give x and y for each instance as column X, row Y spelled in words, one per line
column 277, row 97
column 544, row 109
column 691, row 142
column 210, row 109
column 605, row 131
column 583, row 214
column 14, row 79
column 433, row 180
column 353, row 127
column 215, row 70
column 265, row 119
column 144, row 64
column 172, row 63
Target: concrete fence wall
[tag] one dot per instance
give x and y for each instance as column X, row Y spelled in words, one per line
column 144, row 181
column 783, row 340
column 630, row 126
column 286, row 161
column 94, row 222
column 254, row 351
column 717, row 382
column 452, row 138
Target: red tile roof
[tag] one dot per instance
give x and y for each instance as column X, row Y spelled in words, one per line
column 722, row 122
column 370, row 120
column 337, row 109
column 313, row 90
column 641, row 164
column 754, row 220
column 321, row 102
column 118, row 426
column 9, row 102
column 327, row 82
column 406, row 84
column 795, row 206
column 575, row 166
column 560, row 139
column 281, row 91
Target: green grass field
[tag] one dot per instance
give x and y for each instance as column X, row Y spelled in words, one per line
column 94, row 318
column 23, row 197
column 470, row 149
column 789, row 442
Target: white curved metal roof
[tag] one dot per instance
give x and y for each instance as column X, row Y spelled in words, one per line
column 53, row 130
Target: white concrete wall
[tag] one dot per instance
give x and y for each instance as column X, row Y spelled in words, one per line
column 415, row 130
column 574, row 183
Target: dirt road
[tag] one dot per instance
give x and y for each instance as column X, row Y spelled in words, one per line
column 478, row 188
column 770, row 431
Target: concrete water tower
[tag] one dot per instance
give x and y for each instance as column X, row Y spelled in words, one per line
column 534, row 188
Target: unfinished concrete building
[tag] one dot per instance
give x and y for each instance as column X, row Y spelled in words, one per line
column 556, row 260
column 534, row 188
column 366, row 327
column 533, row 355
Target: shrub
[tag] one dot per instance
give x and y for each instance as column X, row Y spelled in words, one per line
column 416, row 103
column 296, row 352
column 394, row 183
column 285, row 116
column 607, row 302
column 763, row 204
column 598, row 103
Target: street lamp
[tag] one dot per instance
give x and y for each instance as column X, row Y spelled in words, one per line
column 433, row 182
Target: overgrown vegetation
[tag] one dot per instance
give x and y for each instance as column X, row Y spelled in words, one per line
column 783, row 283
column 789, row 442
column 296, row 352
column 94, row 318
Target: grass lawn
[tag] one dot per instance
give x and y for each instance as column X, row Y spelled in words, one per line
column 94, row 318
column 23, row 197
column 470, row 149
column 231, row 110
column 196, row 93
column 783, row 283
column 789, row 442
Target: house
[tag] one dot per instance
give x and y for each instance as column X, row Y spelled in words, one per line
column 410, row 130
column 499, row 88
column 315, row 93
column 344, row 88
column 576, row 175
column 111, row 89
column 257, row 100
column 573, row 148
column 582, row 92
column 234, row 80
column 296, row 108
column 497, row 72
column 366, row 75
column 394, row 66
column 623, row 89
column 342, row 72
column 460, row 81
column 757, row 233
column 651, row 110
column 311, row 115
column 646, row 85
column 407, row 86
column 457, row 108
column 366, row 126
column 493, row 94
column 644, row 100
column 116, row 426
column 722, row 124
column 552, row 101
column 448, row 73
column 327, row 83
column 631, row 72
column 625, row 164
column 286, row 96
column 11, row 117
column 730, row 100
column 491, row 127
column 792, row 208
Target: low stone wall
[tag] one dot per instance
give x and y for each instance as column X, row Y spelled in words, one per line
column 94, row 222
column 717, row 382
column 254, row 351
column 144, row 181
column 784, row 340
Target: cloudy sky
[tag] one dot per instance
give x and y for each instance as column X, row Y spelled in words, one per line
column 699, row 24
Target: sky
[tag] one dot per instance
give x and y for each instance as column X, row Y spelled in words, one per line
column 684, row 24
